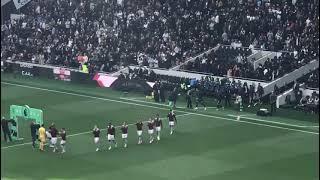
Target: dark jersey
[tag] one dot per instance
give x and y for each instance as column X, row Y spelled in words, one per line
column 124, row 129
column 150, row 125
column 63, row 135
column 49, row 129
column 139, row 126
column 111, row 130
column 158, row 122
column 4, row 125
column 34, row 128
column 172, row 117
column 199, row 96
column 96, row 132
column 53, row 132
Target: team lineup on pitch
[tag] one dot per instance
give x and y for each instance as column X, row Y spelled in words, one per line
column 272, row 125
column 78, row 112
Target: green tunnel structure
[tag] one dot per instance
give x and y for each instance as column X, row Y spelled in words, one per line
column 27, row 114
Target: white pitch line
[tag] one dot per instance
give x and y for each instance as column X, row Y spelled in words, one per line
column 147, row 102
column 272, row 122
column 144, row 105
column 159, row 104
column 77, row 134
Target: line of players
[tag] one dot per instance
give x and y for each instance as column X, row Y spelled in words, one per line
column 51, row 135
column 153, row 124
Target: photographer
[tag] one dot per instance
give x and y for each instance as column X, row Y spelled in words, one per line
column 273, row 102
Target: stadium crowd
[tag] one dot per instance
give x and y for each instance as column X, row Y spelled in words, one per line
column 222, row 89
column 233, row 62
column 311, row 80
column 112, row 33
column 306, row 103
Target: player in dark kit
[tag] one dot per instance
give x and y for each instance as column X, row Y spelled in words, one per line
column 96, row 136
column 199, row 99
column 54, row 138
column 139, row 131
column 172, row 120
column 150, row 130
column 111, row 133
column 34, row 127
column 124, row 130
column 158, row 124
column 63, row 141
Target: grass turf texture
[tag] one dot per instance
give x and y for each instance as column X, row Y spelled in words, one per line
column 205, row 146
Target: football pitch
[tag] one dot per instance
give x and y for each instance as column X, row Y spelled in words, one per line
column 207, row 145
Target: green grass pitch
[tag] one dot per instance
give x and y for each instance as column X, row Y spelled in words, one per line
column 207, row 145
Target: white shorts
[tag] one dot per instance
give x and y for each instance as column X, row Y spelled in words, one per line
column 110, row 137
column 124, row 136
column 139, row 133
column 48, row 134
column 96, row 140
column 54, row 140
column 62, row 142
column 158, row 128
column 171, row 123
column 150, row 131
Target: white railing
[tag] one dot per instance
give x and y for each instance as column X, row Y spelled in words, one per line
column 291, row 77
column 194, row 58
column 191, row 75
column 41, row 65
column 281, row 99
column 263, row 59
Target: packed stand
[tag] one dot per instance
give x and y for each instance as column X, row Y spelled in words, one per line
column 111, row 33
column 291, row 26
column 306, row 103
column 311, row 80
column 225, row 61
column 219, row 88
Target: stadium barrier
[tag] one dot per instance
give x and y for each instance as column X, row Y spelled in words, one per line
column 45, row 71
column 291, row 77
column 75, row 75
column 281, row 99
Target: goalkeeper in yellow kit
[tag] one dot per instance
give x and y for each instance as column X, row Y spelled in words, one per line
column 42, row 137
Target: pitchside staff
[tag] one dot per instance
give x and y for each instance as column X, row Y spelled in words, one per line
column 34, row 128
column 199, row 99
column 5, row 129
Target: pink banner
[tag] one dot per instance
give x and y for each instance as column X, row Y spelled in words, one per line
column 104, row 80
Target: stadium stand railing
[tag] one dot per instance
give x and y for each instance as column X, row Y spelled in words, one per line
column 263, row 59
column 195, row 57
column 291, row 77
column 198, row 76
column 281, row 99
